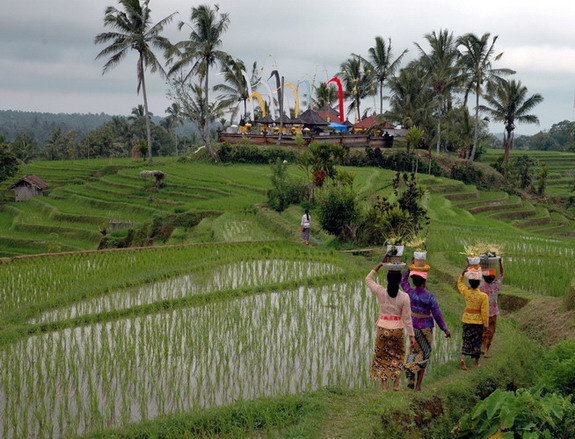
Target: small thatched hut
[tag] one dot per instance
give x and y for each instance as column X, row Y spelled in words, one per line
column 29, row 187
column 158, row 175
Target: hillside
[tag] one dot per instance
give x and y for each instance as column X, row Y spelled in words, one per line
column 40, row 125
column 227, row 326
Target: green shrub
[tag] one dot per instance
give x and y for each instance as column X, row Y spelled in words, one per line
column 285, row 190
column 523, row 414
column 252, row 154
column 338, row 211
column 399, row 161
column 400, row 219
column 558, row 374
column 468, row 174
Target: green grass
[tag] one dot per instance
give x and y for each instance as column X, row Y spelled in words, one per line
column 44, row 300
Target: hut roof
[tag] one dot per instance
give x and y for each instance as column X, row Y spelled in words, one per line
column 283, row 119
column 329, row 114
column 311, row 117
column 328, row 108
column 372, row 121
column 33, row 180
column 267, row 120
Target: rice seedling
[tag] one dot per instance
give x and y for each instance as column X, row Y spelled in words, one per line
column 127, row 370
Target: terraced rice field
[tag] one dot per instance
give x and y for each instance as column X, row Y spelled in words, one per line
column 296, row 320
column 130, row 335
column 561, row 166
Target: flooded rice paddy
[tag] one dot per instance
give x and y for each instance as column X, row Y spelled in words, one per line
column 244, row 274
column 77, row 380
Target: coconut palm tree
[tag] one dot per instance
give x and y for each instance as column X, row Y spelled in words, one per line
column 237, row 86
column 442, row 71
column 509, row 103
column 172, row 121
column 357, row 78
column 382, row 64
column 476, row 61
column 194, row 106
column 202, row 50
column 411, row 101
column 133, row 30
column 324, row 95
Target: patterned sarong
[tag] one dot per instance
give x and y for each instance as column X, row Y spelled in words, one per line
column 489, row 333
column 419, row 355
column 471, row 340
column 389, row 355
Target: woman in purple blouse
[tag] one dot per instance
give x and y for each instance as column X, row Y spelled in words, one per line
column 424, row 310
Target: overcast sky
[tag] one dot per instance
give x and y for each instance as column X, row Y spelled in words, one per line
column 47, row 51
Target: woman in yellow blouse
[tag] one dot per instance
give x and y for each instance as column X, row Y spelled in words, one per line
column 475, row 317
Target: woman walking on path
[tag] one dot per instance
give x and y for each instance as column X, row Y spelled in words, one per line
column 491, row 286
column 305, row 227
column 475, row 317
column 394, row 315
column 424, row 310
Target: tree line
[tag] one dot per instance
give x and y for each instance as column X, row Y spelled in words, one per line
column 430, row 93
column 43, row 136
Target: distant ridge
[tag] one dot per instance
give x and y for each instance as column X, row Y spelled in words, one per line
column 39, row 125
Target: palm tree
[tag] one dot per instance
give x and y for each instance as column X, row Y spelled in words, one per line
column 202, row 50
column 381, row 63
column 476, row 61
column 357, row 78
column 237, row 87
column 138, row 113
column 324, row 95
column 195, row 107
column 442, row 71
column 132, row 30
column 411, row 99
column 172, row 121
column 509, row 103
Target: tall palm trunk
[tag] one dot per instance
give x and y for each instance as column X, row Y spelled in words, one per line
column 507, row 143
column 476, row 130
column 147, row 115
column 438, row 133
column 381, row 97
column 357, row 106
column 206, row 129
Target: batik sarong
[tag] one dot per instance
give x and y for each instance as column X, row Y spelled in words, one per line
column 419, row 354
column 489, row 333
column 471, row 340
column 389, row 355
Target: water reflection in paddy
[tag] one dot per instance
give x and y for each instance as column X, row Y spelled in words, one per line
column 108, row 374
column 241, row 274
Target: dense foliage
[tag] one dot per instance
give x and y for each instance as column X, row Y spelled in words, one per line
column 252, row 154
column 8, row 163
column 560, row 137
column 524, row 414
column 339, row 211
column 286, row 190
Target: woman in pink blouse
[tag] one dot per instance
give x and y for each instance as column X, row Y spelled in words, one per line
column 394, row 316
